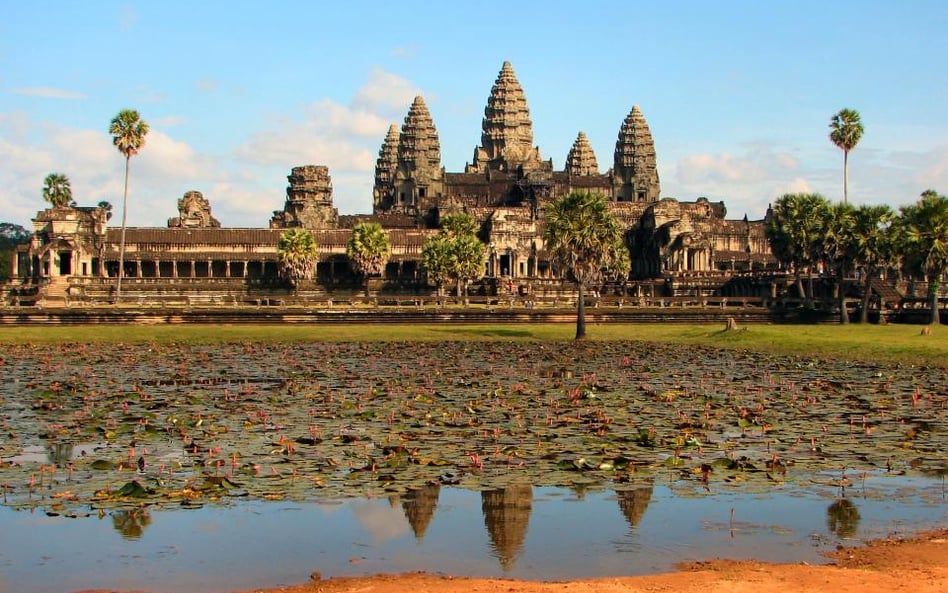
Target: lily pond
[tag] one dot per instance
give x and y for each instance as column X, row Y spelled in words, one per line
column 217, row 466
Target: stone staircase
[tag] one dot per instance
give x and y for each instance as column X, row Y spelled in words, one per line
column 55, row 292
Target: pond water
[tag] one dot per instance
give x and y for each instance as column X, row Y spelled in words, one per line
column 519, row 532
column 215, row 466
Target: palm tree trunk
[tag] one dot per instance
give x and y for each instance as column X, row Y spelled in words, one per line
column 581, row 313
column 841, row 294
column 121, row 270
column 933, row 296
column 367, row 286
column 866, row 295
column 845, row 177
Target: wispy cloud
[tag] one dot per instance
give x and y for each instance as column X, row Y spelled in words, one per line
column 206, row 85
column 127, row 18
column 47, row 92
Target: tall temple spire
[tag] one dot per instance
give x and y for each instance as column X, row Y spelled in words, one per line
column 581, row 159
column 635, row 172
column 419, row 148
column 506, row 130
column 418, row 177
column 385, row 168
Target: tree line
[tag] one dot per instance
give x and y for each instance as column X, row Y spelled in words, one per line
column 808, row 233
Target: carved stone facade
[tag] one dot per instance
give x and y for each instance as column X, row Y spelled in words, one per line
column 506, row 188
column 194, row 211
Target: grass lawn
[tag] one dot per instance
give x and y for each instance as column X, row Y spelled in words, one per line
column 898, row 343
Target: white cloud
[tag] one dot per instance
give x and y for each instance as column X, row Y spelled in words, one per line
column 934, row 174
column 385, row 91
column 46, row 92
column 346, row 138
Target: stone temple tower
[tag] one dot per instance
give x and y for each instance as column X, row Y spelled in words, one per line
column 581, row 160
column 507, row 131
column 383, row 194
column 419, row 179
column 635, row 172
column 308, row 200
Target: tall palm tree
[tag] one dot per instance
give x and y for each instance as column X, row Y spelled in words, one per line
column 57, row 190
column 870, row 238
column 837, row 250
column 368, row 249
column 298, row 253
column 584, row 237
column 845, row 132
column 128, row 135
column 794, row 230
column 926, row 240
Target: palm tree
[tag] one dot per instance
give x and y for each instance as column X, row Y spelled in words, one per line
column 298, row 253
column 837, row 249
column 468, row 261
column 845, row 132
column 437, row 258
column 926, row 240
column 584, row 237
column 795, row 230
column 128, row 135
column 468, row 254
column 368, row 250
column 57, row 190
column 871, row 244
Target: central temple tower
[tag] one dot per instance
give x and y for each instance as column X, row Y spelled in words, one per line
column 507, row 132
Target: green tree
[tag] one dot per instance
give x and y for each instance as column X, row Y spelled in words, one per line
column 925, row 235
column 298, row 253
column 11, row 235
column 459, row 223
column 871, row 242
column 845, row 132
column 368, row 249
column 128, row 132
column 468, row 253
column 57, row 190
column 794, row 229
column 584, row 237
column 437, row 259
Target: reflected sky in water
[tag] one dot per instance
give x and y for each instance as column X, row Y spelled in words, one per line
column 525, row 532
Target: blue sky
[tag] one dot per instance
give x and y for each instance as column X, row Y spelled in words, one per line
column 738, row 94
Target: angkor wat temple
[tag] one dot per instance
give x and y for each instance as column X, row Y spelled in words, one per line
column 505, row 187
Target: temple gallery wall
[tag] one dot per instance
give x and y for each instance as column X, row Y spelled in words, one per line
column 505, row 187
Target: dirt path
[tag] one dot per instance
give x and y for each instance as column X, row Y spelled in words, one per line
column 919, row 565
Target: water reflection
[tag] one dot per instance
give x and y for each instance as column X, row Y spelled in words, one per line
column 532, row 532
column 59, row 453
column 131, row 523
column 842, row 518
column 419, row 506
column 633, row 503
column 506, row 515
